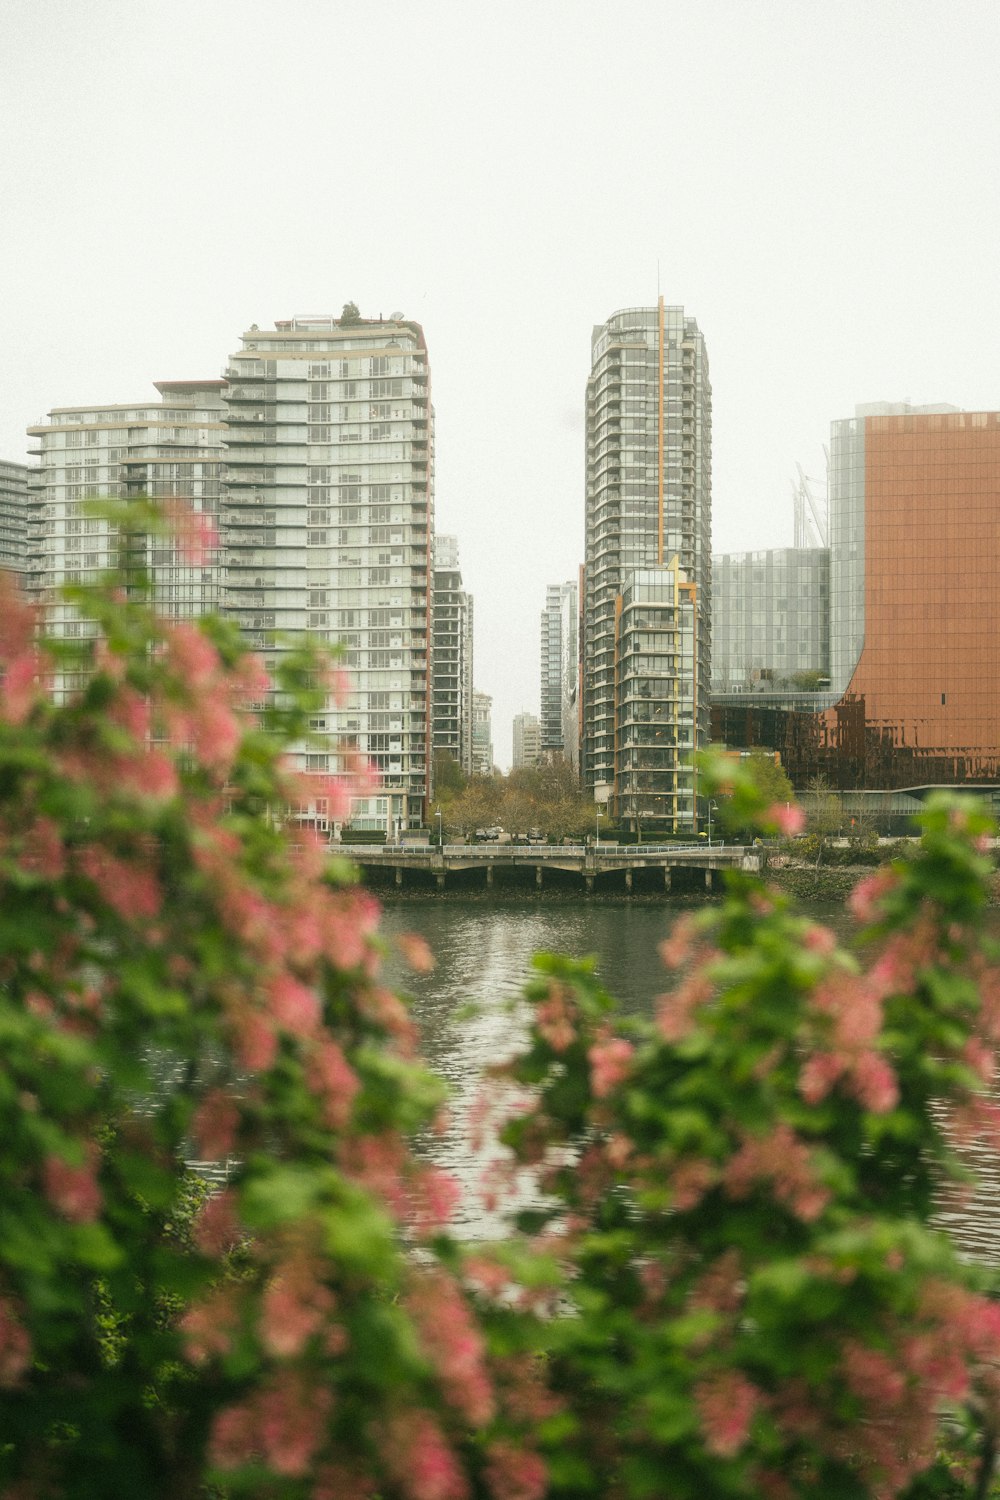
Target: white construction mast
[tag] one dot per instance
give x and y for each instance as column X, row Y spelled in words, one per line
column 810, row 510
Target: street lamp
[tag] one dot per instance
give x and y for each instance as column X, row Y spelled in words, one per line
column 440, row 834
column 599, row 817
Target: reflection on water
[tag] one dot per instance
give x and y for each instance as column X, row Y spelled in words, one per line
column 467, row 1008
column 483, row 959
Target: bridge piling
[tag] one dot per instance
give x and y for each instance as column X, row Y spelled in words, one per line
column 538, row 876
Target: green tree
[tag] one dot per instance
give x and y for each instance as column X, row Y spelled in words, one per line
column 350, row 314
column 478, row 806
column 768, row 778
column 743, row 1188
column 824, row 817
column 182, row 975
column 449, row 778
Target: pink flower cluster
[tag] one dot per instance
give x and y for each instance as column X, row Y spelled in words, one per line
column 783, row 1162
column 515, row 1473
column 452, row 1343
column 284, row 1423
column 15, row 1345
column 555, row 1017
column 787, row 817
column 849, row 1010
column 71, row 1188
column 297, row 1306
column 610, row 1061
column 726, row 1405
column 420, row 1459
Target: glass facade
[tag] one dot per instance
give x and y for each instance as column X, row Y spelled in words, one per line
column 16, row 502
column 771, row 620
column 452, row 657
column 920, row 704
column 557, row 655
column 482, row 734
column 527, row 741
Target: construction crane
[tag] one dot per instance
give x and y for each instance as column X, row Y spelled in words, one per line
column 810, row 510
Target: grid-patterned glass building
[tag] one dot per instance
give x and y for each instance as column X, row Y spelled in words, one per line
column 16, row 500
column 328, row 528
column 648, row 510
column 771, row 619
column 570, row 640
column 557, row 622
column 482, row 734
column 166, row 449
column 451, row 712
column 527, row 741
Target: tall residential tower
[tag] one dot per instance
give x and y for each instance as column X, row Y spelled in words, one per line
column 328, row 527
column 647, row 574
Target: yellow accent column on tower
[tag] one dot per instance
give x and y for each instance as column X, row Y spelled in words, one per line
column 616, row 678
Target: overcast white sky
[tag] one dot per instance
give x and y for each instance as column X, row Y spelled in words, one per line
column 817, row 179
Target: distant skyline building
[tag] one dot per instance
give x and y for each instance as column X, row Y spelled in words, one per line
column 328, row 528
column 914, row 497
column 771, row 619
column 452, row 614
column 527, row 736
column 15, row 506
column 550, row 661
column 571, row 595
column 482, row 734
column 647, row 570
column 557, row 618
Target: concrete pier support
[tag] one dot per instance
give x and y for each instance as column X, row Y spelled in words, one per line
column 489, row 877
column 590, row 884
column 708, row 880
column 628, row 880
column 399, row 874
column 440, row 880
column 666, row 877
column 538, row 876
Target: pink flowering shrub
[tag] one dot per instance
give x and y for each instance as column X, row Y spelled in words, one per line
column 183, row 977
column 740, row 1194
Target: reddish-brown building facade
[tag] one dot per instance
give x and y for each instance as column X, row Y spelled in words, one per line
column 915, row 613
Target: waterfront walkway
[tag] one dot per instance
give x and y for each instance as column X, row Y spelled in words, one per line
column 588, row 862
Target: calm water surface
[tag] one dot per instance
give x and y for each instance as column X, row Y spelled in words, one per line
column 469, row 1017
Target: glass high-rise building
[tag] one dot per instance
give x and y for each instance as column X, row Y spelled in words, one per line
column 482, row 734
column 328, row 528
column 16, row 506
column 771, row 620
column 558, row 616
column 646, row 619
column 451, row 713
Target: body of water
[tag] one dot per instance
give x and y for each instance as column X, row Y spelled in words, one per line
column 469, row 1018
